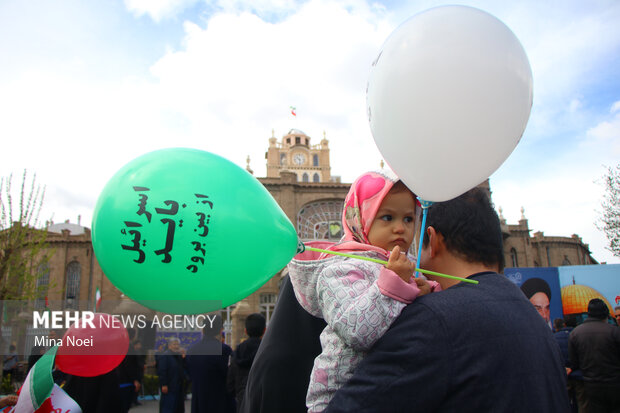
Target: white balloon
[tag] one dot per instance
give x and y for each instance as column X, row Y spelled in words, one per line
column 448, row 98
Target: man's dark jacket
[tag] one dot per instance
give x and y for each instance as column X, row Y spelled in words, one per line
column 594, row 347
column 240, row 365
column 207, row 364
column 470, row 348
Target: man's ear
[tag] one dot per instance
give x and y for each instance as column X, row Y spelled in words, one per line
column 435, row 242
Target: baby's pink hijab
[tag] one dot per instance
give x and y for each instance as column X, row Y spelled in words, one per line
column 360, row 208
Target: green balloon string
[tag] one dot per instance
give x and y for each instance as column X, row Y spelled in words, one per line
column 358, row 257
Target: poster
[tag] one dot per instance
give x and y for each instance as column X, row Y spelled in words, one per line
column 571, row 288
column 581, row 283
column 542, row 287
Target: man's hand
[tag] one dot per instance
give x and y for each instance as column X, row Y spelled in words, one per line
column 136, row 386
column 400, row 264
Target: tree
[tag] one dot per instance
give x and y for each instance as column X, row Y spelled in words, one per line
column 24, row 250
column 609, row 220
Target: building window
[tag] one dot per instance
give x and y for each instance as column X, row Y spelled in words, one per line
column 315, row 160
column 73, row 285
column 267, row 304
column 297, row 140
column 288, row 140
column 548, row 257
column 43, row 281
column 316, row 178
column 320, row 220
column 305, row 177
column 282, row 158
column 306, row 141
column 513, row 257
column 227, row 327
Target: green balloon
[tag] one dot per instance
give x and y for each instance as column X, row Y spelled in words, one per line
column 185, row 231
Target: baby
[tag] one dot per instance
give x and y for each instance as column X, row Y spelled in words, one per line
column 359, row 299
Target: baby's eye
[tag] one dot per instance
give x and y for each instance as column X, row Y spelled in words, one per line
column 386, row 217
column 408, row 220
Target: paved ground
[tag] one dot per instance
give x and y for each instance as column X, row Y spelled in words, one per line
column 152, row 406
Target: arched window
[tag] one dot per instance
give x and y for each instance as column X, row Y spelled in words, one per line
column 267, row 305
column 305, row 178
column 282, row 158
column 315, row 160
column 320, row 220
column 316, row 178
column 513, row 257
column 73, row 284
column 43, row 281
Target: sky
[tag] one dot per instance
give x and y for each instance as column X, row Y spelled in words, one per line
column 87, row 86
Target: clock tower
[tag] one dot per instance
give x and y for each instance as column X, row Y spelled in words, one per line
column 295, row 153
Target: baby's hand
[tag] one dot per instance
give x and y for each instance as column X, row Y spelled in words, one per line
column 400, row 264
column 423, row 285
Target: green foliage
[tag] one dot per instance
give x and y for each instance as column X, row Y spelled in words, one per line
column 24, row 252
column 7, row 387
column 609, row 220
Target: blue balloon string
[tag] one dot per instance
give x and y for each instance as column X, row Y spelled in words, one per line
column 425, row 205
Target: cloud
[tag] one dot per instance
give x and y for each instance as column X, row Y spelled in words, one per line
column 238, row 75
column 158, row 9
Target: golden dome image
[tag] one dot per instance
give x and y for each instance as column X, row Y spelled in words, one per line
column 575, row 298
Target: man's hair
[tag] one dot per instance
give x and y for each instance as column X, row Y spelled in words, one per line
column 255, row 325
column 617, row 307
column 558, row 323
column 597, row 308
column 470, row 227
column 536, row 285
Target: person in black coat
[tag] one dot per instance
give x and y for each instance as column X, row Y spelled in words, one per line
column 279, row 377
column 207, row 364
column 171, row 372
column 99, row 394
column 244, row 355
column 575, row 379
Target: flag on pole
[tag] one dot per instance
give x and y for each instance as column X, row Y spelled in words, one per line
column 38, row 385
column 39, row 394
column 293, row 110
column 97, row 299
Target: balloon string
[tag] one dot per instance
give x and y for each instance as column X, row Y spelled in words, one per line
column 358, row 257
column 425, row 205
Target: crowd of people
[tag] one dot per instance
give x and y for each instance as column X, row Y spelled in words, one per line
column 350, row 335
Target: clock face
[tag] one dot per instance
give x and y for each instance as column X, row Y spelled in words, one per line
column 299, row 158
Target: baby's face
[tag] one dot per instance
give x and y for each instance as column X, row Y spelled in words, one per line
column 394, row 223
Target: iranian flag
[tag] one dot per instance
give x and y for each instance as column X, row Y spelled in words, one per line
column 59, row 402
column 97, row 299
column 39, row 394
column 293, row 110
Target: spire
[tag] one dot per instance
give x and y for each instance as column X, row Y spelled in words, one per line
column 522, row 213
column 247, row 168
column 381, row 164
